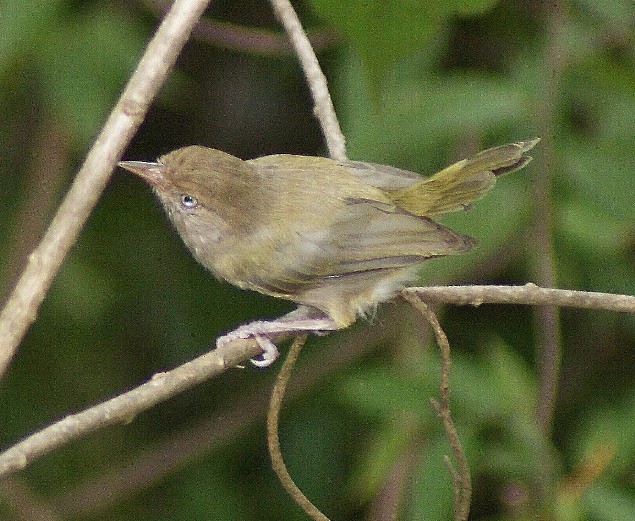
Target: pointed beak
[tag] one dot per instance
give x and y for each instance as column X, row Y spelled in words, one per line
column 152, row 173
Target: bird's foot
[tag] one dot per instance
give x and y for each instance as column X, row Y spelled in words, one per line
column 262, row 331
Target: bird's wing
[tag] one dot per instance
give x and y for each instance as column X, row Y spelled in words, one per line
column 373, row 235
column 381, row 176
column 347, row 226
column 367, row 236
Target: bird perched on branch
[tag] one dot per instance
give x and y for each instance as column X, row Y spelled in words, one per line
column 336, row 237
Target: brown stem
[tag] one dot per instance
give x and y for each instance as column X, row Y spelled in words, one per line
column 249, row 39
column 273, row 440
column 529, row 294
column 547, row 319
column 461, row 479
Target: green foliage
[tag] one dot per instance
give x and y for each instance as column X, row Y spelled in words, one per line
column 610, row 503
column 93, row 63
column 383, row 31
column 22, row 25
column 80, row 59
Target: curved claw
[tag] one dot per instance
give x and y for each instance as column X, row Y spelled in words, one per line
column 269, row 352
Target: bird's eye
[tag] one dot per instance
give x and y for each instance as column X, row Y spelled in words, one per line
column 188, row 201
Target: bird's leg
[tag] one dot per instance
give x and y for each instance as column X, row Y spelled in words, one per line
column 304, row 319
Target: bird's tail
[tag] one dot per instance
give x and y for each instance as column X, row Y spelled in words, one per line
column 456, row 186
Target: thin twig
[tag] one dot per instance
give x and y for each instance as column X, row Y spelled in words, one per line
column 547, row 319
column 324, row 111
column 273, row 440
column 250, row 39
column 44, row 262
column 529, row 294
column 461, row 479
column 541, row 240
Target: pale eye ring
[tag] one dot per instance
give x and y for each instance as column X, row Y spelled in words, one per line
column 188, row 201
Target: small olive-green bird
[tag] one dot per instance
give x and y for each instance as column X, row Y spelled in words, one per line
column 336, row 237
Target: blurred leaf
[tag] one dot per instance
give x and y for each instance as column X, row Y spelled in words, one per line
column 387, row 444
column 497, row 384
column 432, row 492
column 511, row 379
column 610, row 503
column 615, row 12
column 24, row 25
column 453, row 103
column 608, row 115
column 610, row 429
column 83, row 293
column 382, row 393
column 382, row 31
column 313, row 452
column 423, row 112
column 83, row 74
column 603, row 172
column 218, row 499
column 494, row 389
column 432, row 489
column 585, row 224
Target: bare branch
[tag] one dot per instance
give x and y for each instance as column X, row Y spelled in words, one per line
column 250, row 39
column 44, row 262
column 126, row 406
column 529, row 294
column 165, row 385
column 324, row 111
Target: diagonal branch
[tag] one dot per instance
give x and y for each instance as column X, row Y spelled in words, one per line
column 165, row 385
column 44, row 262
column 123, row 408
column 118, row 481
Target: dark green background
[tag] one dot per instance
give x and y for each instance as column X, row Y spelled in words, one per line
column 416, row 84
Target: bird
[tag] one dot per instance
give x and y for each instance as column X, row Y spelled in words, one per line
column 337, row 237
